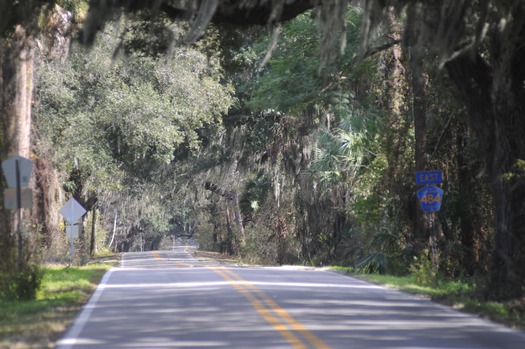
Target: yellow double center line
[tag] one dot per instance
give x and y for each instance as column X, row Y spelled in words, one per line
column 276, row 316
column 158, row 258
column 156, row 255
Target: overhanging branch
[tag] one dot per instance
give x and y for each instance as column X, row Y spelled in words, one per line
column 374, row 50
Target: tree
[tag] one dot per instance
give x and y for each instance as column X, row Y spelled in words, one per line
column 17, row 60
column 477, row 42
column 116, row 126
column 479, row 45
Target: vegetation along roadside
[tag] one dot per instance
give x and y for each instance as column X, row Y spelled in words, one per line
column 462, row 295
column 38, row 323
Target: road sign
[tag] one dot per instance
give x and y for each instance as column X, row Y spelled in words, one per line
column 73, row 231
column 25, row 167
column 430, row 198
column 10, row 198
column 17, row 171
column 72, row 211
column 429, row 177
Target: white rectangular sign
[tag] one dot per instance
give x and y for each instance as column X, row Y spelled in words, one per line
column 73, row 231
column 26, row 196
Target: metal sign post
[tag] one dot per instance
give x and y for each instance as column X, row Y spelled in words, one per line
column 19, row 214
column 72, row 238
column 430, row 198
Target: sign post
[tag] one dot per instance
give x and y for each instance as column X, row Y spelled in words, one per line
column 72, row 211
column 430, row 198
column 17, row 171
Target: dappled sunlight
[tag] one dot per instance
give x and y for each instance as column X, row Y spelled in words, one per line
column 345, row 310
column 160, row 305
column 173, row 315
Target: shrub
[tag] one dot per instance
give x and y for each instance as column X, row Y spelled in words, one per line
column 424, row 271
column 21, row 285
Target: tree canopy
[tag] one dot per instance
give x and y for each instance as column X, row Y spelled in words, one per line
column 296, row 141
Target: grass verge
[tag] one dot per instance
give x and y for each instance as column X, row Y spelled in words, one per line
column 39, row 323
column 461, row 295
column 213, row 256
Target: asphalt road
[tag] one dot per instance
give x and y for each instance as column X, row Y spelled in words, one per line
column 166, row 299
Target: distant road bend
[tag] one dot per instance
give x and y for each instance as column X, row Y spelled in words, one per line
column 167, row 299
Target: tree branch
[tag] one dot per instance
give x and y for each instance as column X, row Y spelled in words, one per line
column 373, row 50
column 214, row 188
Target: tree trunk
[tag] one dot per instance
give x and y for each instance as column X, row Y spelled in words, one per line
column 17, row 92
column 92, row 244
column 420, row 127
column 496, row 115
column 44, row 213
column 114, row 230
column 508, row 259
column 470, row 253
column 15, row 106
column 229, row 236
column 236, row 210
column 238, row 215
column 396, row 101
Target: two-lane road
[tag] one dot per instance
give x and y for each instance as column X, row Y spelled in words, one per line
column 166, row 299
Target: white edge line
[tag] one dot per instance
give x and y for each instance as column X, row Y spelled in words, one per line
column 122, row 260
column 71, row 336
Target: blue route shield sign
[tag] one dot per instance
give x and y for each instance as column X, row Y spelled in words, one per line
column 430, row 198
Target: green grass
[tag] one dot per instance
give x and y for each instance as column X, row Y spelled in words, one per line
column 466, row 296
column 37, row 323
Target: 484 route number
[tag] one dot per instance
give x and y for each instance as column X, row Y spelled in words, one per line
column 430, row 198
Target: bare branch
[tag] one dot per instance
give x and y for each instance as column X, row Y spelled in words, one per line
column 374, row 50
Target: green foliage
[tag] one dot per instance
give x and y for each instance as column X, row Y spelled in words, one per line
column 122, row 124
column 59, row 282
column 307, row 128
column 132, row 113
column 322, row 124
column 423, row 270
column 62, row 293
column 333, row 144
column 383, row 253
column 254, row 195
column 294, row 69
column 374, row 262
column 267, row 246
column 149, row 38
column 517, row 174
column 21, row 285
